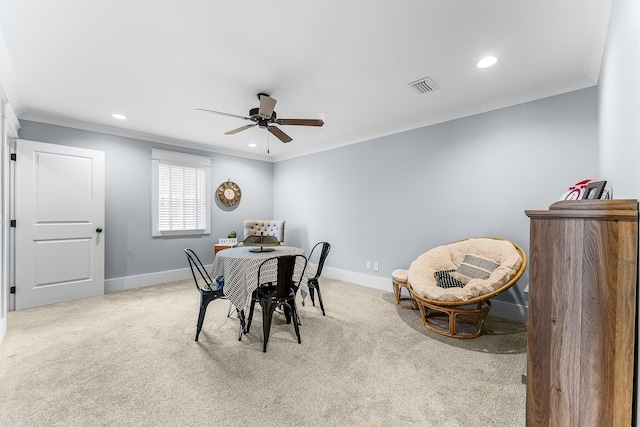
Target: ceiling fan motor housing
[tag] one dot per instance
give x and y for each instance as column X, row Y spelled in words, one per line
column 263, row 122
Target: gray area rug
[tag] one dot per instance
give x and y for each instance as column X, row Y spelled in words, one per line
column 129, row 359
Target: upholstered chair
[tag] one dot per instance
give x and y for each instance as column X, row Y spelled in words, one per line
column 268, row 227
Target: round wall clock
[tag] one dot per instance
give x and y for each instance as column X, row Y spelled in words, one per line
column 229, row 193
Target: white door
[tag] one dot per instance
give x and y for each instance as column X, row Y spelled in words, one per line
column 59, row 212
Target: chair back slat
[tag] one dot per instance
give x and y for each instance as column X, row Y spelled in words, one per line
column 285, row 276
column 196, row 266
column 324, row 251
column 286, row 266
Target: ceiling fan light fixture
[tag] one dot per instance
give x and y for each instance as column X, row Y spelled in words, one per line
column 267, row 104
column 487, row 62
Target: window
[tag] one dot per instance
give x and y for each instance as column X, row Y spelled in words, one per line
column 181, row 193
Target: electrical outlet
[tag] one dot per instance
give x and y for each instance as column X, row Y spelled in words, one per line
column 368, row 265
column 375, row 266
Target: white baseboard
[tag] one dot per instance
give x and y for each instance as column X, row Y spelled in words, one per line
column 507, row 310
column 519, row 313
column 150, row 279
column 375, row 282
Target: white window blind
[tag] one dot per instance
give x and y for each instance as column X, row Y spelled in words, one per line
column 181, row 199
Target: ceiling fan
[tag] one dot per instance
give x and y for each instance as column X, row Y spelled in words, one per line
column 264, row 117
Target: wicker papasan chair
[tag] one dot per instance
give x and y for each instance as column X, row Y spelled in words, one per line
column 453, row 283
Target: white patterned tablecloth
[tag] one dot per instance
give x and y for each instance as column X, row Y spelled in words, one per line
column 240, row 270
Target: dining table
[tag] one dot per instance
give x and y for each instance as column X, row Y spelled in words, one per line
column 240, row 265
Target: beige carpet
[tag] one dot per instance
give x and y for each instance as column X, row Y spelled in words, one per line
column 129, row 359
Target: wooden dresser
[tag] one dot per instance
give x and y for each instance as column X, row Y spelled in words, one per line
column 218, row 247
column 582, row 307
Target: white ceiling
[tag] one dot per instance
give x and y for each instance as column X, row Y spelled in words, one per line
column 349, row 62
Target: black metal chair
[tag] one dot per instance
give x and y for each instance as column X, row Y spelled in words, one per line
column 312, row 279
column 210, row 289
column 282, row 294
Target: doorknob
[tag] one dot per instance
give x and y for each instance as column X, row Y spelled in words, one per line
column 98, row 230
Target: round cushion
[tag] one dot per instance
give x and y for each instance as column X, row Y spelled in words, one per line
column 400, row 275
column 449, row 257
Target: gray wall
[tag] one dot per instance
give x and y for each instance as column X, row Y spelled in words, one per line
column 129, row 248
column 385, row 200
column 619, row 93
column 619, row 109
column 390, row 199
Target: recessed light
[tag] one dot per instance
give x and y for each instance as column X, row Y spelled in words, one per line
column 119, row 116
column 487, row 61
column 252, row 145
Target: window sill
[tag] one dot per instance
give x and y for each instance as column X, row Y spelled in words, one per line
column 172, row 233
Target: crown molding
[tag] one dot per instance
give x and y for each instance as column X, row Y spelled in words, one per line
column 52, row 119
column 552, row 89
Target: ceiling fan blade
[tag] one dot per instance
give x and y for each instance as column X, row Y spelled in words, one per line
column 240, row 129
column 279, row 134
column 224, row 114
column 300, row 122
column 267, row 104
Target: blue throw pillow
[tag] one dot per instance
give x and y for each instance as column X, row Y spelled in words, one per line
column 219, row 283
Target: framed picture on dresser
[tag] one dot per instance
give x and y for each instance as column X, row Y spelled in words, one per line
column 594, row 190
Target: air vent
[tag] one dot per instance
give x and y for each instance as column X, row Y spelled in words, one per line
column 424, row 85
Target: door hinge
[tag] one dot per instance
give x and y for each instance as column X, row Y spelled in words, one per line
column 13, row 223
column 12, row 290
column 13, row 157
